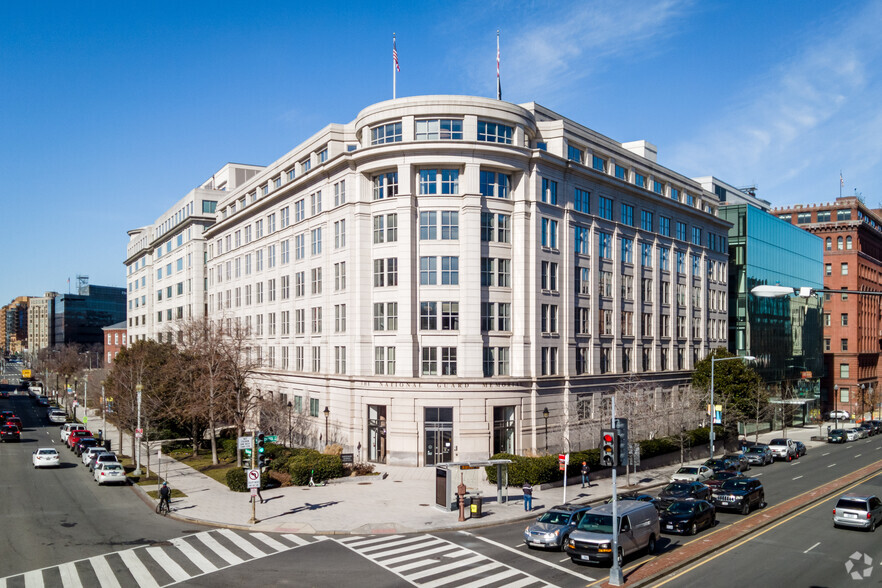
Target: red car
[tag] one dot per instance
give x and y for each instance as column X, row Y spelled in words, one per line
column 718, row 478
column 76, row 436
column 15, row 422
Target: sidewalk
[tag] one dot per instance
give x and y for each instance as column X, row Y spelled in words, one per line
column 401, row 502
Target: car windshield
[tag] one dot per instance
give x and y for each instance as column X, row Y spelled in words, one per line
column 735, row 485
column 687, row 471
column 681, row 507
column 47, row 452
column 596, row 523
column 778, row 442
column 724, row 475
column 112, row 466
column 676, row 488
column 555, row 518
column 836, row 432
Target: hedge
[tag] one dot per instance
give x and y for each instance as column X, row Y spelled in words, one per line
column 301, row 466
column 543, row 469
column 237, row 482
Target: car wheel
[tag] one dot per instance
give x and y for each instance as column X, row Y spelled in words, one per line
column 762, row 501
column 650, row 546
column 745, row 508
column 693, row 529
column 620, row 557
column 872, row 526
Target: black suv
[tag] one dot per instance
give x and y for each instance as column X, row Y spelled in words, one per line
column 741, row 494
column 9, row 433
column 681, row 491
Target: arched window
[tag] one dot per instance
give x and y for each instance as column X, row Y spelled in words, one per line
column 839, row 243
column 829, row 244
column 848, row 242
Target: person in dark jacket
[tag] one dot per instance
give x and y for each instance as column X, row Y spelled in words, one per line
column 585, row 472
column 528, row 496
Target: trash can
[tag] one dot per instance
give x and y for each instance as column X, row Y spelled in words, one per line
column 477, row 502
column 107, row 444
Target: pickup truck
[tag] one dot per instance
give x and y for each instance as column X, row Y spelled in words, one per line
column 783, row 449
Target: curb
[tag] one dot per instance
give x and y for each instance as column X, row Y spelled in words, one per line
column 824, row 492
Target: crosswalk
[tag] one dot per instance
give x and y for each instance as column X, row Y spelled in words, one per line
column 431, row 562
column 162, row 564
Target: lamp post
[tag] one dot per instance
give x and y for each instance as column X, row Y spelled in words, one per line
column 327, row 413
column 835, row 411
column 138, row 389
column 713, row 410
column 545, row 416
column 290, row 406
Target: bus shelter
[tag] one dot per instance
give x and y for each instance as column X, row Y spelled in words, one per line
column 471, row 473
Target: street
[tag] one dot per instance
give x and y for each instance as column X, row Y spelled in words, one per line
column 62, row 529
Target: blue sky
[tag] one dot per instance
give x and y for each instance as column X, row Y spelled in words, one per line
column 112, row 111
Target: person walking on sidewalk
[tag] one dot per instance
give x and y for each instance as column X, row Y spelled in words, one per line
column 585, row 472
column 165, row 495
column 528, row 496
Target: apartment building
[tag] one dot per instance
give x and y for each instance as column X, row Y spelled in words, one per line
column 423, row 282
column 852, row 339
column 41, row 321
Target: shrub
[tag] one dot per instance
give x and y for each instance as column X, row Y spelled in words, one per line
column 237, row 481
column 538, row 470
column 333, row 449
column 301, row 467
column 227, row 447
column 358, row 469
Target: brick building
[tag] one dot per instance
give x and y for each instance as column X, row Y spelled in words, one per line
column 852, row 235
column 114, row 341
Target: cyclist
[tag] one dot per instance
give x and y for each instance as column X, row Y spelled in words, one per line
column 164, row 496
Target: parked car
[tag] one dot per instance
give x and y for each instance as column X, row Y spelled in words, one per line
column 740, row 494
column 101, row 458
column 68, row 428
column 552, row 528
column 75, row 436
column 800, row 448
column 687, row 517
column 841, row 415
column 759, row 455
column 862, row 432
column 87, row 455
column 9, row 433
column 15, row 422
column 46, row 457
column 837, row 436
column 740, row 459
column 692, row 474
column 852, row 434
column 877, row 425
column 83, row 444
column 57, row 416
column 591, row 541
column 783, row 448
column 681, row 491
column 718, row 478
column 868, row 428
column 859, row 511
column 640, row 496
column 43, row 400
column 110, row 473
column 721, row 463
column 6, row 414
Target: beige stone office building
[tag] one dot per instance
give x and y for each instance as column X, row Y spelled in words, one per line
column 423, row 282
column 41, row 321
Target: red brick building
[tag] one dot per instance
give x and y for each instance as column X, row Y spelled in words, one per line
column 114, row 341
column 852, row 235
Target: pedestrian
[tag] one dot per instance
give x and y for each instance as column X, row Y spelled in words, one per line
column 258, row 495
column 528, row 496
column 585, row 472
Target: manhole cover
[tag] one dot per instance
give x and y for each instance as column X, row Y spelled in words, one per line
column 364, row 483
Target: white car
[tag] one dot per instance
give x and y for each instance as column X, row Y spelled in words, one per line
column 692, row 474
column 852, row 434
column 91, row 451
column 68, row 427
column 57, row 416
column 110, row 473
column 841, row 415
column 46, row 457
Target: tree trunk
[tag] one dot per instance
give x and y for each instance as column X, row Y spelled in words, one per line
column 211, row 427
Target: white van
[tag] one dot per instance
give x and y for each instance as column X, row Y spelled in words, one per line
column 68, row 427
column 591, row 541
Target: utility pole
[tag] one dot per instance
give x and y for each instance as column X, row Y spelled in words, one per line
column 137, row 429
column 616, row 577
column 253, row 466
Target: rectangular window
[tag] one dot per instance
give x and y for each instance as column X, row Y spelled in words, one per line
column 316, row 241
column 428, row 271
column 340, row 193
column 605, row 284
column 450, row 316
column 449, row 225
column 439, row 181
column 844, row 269
column 488, row 275
column 299, row 210
column 549, row 191
column 444, row 129
column 604, row 243
column 428, row 226
column 339, row 234
column 627, row 215
column 581, row 200
column 581, row 235
column 549, row 361
column 286, row 252
column 575, row 154
column 389, row 133
column 681, row 231
column 627, row 250
column 621, row 172
column 495, row 185
column 696, row 235
column 450, row 270
column 657, row 187
column 598, row 163
column 549, row 276
column 639, row 180
column 646, row 220
column 843, row 369
column 448, row 361
column 385, row 185
column 843, row 320
column 549, row 233
column 494, row 132
column 604, row 208
column 340, row 276
column 429, row 361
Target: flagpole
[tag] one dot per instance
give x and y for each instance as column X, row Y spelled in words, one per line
column 840, row 183
column 498, row 80
column 394, row 65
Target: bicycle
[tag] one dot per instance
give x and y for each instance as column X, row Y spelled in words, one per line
column 163, row 508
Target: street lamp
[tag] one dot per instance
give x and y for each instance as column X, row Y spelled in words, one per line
column 713, row 410
column 545, row 416
column 327, row 413
column 290, row 443
column 138, row 389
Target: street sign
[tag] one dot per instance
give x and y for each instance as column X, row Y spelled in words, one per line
column 253, row 478
column 350, row 458
column 271, row 438
column 139, row 433
column 26, row 374
column 246, row 442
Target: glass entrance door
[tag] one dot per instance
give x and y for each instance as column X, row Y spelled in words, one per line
column 376, row 433
column 439, row 435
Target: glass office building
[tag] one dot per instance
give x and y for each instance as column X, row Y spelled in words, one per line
column 784, row 334
column 80, row 317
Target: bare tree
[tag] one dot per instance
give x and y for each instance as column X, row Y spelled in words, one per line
column 240, row 367
column 683, row 414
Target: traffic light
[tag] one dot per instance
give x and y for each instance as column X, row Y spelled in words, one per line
column 261, row 449
column 609, row 445
column 621, row 426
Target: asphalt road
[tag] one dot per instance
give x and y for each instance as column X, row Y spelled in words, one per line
column 52, row 516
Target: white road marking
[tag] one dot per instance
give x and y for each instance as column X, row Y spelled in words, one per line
column 386, row 546
column 34, row 579
column 168, row 565
column 69, row 576
column 831, row 465
column 242, row 544
column 812, row 547
column 272, row 543
column 197, row 558
column 455, row 578
column 522, row 544
column 757, row 475
column 858, row 455
column 221, row 551
column 527, row 555
column 446, row 547
column 451, row 566
column 797, row 477
column 138, row 569
column 103, row 572
column 823, row 454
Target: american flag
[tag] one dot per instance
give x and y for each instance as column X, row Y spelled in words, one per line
column 395, row 56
